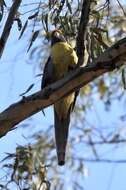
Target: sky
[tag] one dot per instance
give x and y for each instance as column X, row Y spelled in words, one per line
column 16, row 75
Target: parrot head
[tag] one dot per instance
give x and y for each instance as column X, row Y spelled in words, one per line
column 55, row 36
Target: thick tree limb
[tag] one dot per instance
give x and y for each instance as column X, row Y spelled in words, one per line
column 112, row 58
column 8, row 25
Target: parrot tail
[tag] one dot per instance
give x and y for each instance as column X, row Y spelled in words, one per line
column 61, row 136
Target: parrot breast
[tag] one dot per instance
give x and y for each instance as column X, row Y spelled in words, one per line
column 63, row 57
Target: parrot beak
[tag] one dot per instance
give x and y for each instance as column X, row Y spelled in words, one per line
column 47, row 35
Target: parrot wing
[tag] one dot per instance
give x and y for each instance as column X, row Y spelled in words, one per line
column 48, row 78
column 47, row 73
column 75, row 98
column 72, row 68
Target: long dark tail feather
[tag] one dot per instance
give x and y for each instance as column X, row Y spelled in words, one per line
column 61, row 136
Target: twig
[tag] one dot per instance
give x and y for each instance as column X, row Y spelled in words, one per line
column 105, row 142
column 8, row 25
column 122, row 8
column 100, row 160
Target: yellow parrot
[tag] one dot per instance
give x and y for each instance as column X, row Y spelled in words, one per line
column 62, row 59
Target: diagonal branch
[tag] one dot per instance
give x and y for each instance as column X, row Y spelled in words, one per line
column 8, row 25
column 112, row 58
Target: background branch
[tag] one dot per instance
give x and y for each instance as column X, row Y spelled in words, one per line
column 102, row 142
column 101, row 160
column 81, row 36
column 8, row 25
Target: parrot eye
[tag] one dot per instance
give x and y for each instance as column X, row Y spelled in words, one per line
column 57, row 34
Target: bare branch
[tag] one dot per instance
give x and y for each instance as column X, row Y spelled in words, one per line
column 112, row 58
column 82, row 30
column 8, row 25
column 102, row 142
column 121, row 6
column 100, row 160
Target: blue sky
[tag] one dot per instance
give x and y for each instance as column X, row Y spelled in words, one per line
column 15, row 77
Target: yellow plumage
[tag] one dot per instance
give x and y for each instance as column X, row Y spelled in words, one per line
column 63, row 57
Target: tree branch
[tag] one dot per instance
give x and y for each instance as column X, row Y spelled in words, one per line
column 112, row 58
column 100, row 160
column 81, row 36
column 105, row 142
column 8, row 25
